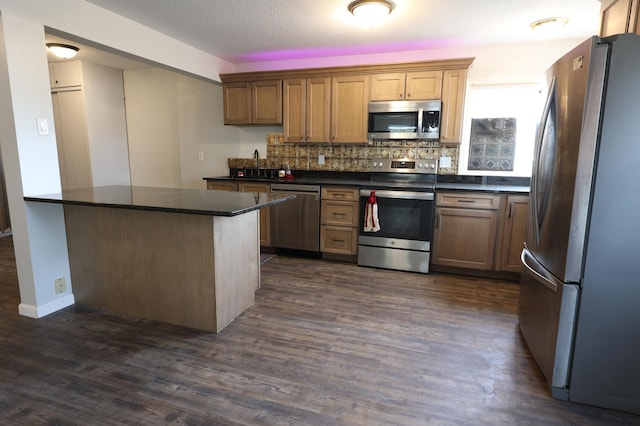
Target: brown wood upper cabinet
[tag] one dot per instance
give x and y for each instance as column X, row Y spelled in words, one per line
column 349, row 108
column 619, row 16
column 258, row 102
column 454, row 83
column 307, row 106
column 410, row 86
column 326, row 109
column 331, row 104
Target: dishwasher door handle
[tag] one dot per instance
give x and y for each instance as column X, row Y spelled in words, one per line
column 293, row 188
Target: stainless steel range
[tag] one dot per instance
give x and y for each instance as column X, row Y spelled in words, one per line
column 404, row 194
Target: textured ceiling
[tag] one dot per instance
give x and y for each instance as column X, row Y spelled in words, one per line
column 242, row 31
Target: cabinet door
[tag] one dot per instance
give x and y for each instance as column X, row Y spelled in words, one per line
column 453, row 91
column 65, row 74
column 424, row 85
column 338, row 240
column 266, row 98
column 237, row 103
column 465, row 238
column 615, row 17
column 294, row 98
column 388, row 86
column 514, row 225
column 349, row 109
column 265, row 215
column 318, row 111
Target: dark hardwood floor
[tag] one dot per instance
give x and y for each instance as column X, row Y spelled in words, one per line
column 326, row 343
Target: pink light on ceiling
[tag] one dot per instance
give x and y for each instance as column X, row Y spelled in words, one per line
column 321, row 52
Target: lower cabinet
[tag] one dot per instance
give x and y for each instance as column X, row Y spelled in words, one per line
column 481, row 231
column 339, row 220
column 465, row 230
column 515, row 224
column 222, row 185
column 265, row 219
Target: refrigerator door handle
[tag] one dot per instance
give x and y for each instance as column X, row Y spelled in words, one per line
column 544, row 277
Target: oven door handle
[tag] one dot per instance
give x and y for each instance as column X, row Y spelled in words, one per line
column 404, row 195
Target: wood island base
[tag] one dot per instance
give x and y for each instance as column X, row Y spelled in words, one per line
column 191, row 270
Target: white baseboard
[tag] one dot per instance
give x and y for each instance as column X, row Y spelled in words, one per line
column 47, row 308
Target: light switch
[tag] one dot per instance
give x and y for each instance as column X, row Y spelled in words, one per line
column 43, row 126
column 445, row 162
column 200, row 156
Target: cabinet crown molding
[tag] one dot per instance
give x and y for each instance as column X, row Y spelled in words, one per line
column 448, row 64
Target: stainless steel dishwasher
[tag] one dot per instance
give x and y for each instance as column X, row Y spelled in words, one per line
column 296, row 223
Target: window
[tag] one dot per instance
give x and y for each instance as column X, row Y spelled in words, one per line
column 499, row 130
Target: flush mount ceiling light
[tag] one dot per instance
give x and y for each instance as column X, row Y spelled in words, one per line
column 549, row 25
column 371, row 10
column 64, row 51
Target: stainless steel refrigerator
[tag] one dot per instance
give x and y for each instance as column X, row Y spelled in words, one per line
column 579, row 309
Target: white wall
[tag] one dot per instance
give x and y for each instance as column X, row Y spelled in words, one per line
column 152, row 125
column 171, row 119
column 202, row 130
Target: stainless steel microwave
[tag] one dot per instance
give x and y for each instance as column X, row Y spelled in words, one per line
column 404, row 120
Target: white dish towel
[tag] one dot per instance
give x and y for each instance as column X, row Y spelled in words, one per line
column 371, row 222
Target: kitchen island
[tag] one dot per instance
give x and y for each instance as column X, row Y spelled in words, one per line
column 183, row 256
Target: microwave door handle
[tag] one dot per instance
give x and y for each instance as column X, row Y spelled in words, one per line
column 420, row 128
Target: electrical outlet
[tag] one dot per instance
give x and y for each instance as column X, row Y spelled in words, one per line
column 200, row 156
column 60, row 285
column 445, row 162
column 320, row 159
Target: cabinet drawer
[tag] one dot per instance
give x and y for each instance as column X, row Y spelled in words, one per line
column 222, row 185
column 340, row 213
column 341, row 194
column 468, row 200
column 339, row 240
column 254, row 187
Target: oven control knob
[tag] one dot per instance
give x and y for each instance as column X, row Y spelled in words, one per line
column 433, row 166
column 419, row 165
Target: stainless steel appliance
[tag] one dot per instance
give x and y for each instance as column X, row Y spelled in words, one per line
column 404, row 120
column 296, row 225
column 404, row 190
column 579, row 306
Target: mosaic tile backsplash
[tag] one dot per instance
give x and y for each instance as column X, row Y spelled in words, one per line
column 345, row 158
column 492, row 144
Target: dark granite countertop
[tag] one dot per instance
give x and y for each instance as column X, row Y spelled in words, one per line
column 174, row 200
column 482, row 187
column 518, row 185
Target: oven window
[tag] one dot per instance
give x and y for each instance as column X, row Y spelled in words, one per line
column 399, row 218
column 384, row 122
